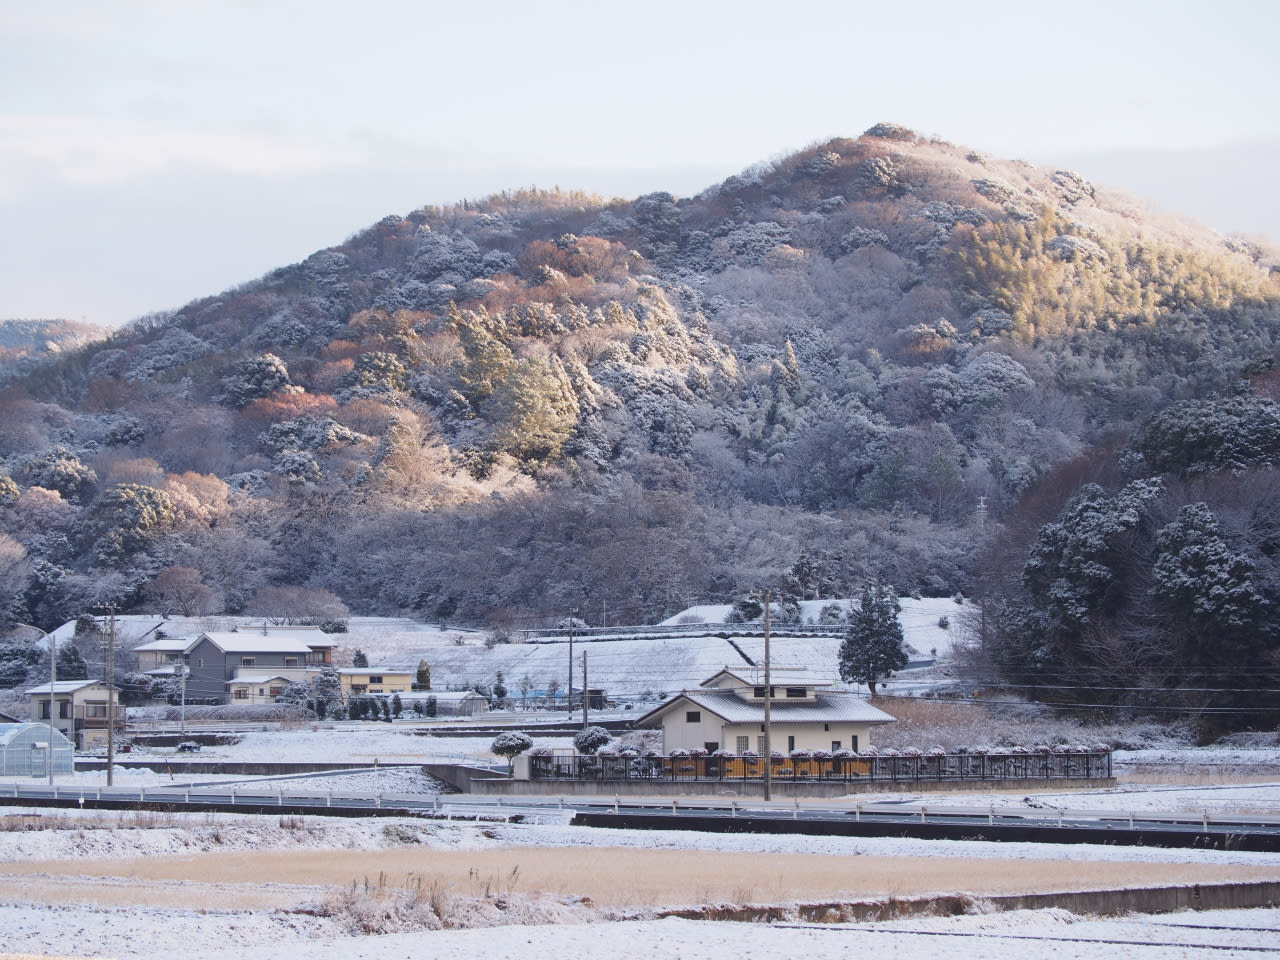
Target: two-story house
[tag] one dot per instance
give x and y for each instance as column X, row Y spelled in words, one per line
column 232, row 666
column 727, row 713
column 376, row 681
column 79, row 708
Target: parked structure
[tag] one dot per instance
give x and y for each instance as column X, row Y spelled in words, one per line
column 25, row 750
column 727, row 713
column 80, row 709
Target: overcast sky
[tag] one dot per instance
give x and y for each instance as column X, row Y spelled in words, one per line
column 155, row 152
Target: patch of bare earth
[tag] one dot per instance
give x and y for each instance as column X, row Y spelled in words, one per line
column 616, row 878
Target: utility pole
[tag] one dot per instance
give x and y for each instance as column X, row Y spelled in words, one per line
column 768, row 704
column 585, row 698
column 182, row 698
column 568, row 694
column 111, row 687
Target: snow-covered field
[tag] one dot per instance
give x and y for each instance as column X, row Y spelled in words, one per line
column 66, row 891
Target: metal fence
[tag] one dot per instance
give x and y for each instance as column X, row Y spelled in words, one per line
column 901, row 769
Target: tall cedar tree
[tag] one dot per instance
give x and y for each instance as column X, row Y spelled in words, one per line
column 872, row 647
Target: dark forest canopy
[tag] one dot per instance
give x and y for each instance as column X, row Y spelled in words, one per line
column 864, row 356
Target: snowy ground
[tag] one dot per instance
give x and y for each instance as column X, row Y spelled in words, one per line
column 78, row 922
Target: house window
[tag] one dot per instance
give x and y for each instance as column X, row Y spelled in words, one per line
column 835, row 745
column 96, row 711
column 44, row 709
column 854, row 743
column 791, row 744
column 261, row 692
column 826, row 727
column 693, row 716
column 711, row 746
column 248, row 661
column 373, row 679
column 64, row 709
column 277, row 691
column 742, row 745
column 240, row 693
column 796, row 693
column 290, row 661
column 760, row 746
column 760, row 692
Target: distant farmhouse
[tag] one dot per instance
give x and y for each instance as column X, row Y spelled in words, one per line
column 727, row 713
column 250, row 666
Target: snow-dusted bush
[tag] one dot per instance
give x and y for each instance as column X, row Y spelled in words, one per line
column 841, row 754
column 821, row 754
column 591, row 739
column 511, row 744
column 800, row 754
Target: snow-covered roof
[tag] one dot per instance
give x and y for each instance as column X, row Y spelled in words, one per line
column 456, row 695
column 381, row 671
column 65, row 686
column 754, row 677
column 258, row 643
column 729, row 707
column 10, row 731
column 166, row 645
column 258, row 678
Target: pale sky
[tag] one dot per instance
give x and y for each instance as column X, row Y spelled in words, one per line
column 155, row 152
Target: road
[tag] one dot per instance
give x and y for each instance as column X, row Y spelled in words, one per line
column 863, row 819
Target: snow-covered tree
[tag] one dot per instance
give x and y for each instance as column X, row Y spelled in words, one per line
column 591, row 739
column 510, row 745
column 873, row 645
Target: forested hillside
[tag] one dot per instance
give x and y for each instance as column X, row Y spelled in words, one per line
column 859, row 360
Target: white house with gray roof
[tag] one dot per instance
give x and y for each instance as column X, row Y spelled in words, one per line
column 727, row 713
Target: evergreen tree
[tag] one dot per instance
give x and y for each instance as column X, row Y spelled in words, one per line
column 359, row 659
column 872, row 649
column 71, row 663
column 424, row 675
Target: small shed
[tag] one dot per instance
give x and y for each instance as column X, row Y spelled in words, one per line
column 24, row 751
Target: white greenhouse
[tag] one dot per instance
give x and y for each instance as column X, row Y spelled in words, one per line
column 24, row 750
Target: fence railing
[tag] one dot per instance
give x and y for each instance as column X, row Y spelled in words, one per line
column 901, row 769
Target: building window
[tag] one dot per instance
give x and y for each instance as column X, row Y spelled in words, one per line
column 835, row 745
column 760, row 693
column 248, row 661
column 277, row 691
column 240, row 693
column 711, row 746
column 373, row 679
column 290, row 661
column 64, row 709
column 44, row 709
column 693, row 716
column 796, row 693
column 854, row 743
column 826, row 727
column 791, row 744
column 95, row 711
column 760, row 746
column 743, row 745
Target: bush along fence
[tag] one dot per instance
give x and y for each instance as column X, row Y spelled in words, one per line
column 908, row 766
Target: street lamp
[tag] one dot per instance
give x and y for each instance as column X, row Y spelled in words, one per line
column 53, row 679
